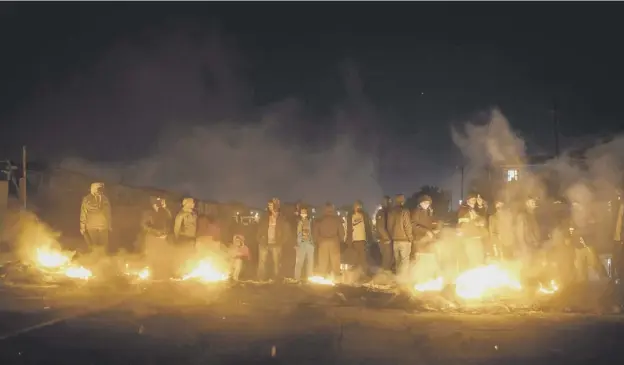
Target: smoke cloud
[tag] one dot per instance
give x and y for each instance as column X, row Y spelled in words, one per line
column 184, row 99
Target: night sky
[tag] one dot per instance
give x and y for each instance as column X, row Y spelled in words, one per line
column 402, row 73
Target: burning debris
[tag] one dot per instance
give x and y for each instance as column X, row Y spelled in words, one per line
column 205, row 271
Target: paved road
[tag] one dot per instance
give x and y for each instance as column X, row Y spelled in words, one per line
column 192, row 324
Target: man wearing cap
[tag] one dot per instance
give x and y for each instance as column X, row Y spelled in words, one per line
column 424, row 258
column 95, row 217
column 359, row 233
column 400, row 229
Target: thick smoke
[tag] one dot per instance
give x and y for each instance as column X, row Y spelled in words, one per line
column 188, row 96
column 586, row 175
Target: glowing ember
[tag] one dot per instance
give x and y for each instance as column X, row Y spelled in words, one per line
column 78, row 273
column 320, row 280
column 144, row 274
column 206, row 272
column 431, row 285
column 482, row 281
column 52, row 259
column 549, row 290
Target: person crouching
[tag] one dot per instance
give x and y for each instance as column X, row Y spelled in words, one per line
column 239, row 252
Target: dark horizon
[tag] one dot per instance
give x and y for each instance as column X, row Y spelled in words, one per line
column 128, row 81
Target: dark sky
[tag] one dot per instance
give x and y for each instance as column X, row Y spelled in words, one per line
column 422, row 67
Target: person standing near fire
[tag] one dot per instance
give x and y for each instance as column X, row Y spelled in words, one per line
column 400, row 229
column 471, row 227
column 305, row 245
column 156, row 225
column 273, row 234
column 501, row 243
column 95, row 218
column 329, row 232
column 185, row 225
column 617, row 207
column 425, row 253
column 359, row 234
column 385, row 243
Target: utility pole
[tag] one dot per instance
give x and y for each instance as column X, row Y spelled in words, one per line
column 556, row 126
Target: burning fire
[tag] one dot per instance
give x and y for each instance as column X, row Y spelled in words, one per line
column 206, row 272
column 549, row 290
column 52, row 259
column 142, row 274
column 431, row 285
column 321, row 280
column 57, row 260
column 482, row 281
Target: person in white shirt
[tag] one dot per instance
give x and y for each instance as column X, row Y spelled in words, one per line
column 359, row 233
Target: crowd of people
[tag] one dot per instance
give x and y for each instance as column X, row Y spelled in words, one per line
column 395, row 241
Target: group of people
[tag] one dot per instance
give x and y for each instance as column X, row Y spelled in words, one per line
column 402, row 237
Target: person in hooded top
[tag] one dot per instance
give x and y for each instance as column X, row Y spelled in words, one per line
column 329, row 233
column 95, row 217
column 185, row 226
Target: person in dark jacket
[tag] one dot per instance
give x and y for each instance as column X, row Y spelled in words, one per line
column 359, row 234
column 273, row 234
column 156, row 224
column 471, row 227
column 401, row 233
column 423, row 225
column 381, row 227
column 329, row 233
column 95, row 217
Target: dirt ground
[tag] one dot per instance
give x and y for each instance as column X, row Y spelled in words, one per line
column 179, row 323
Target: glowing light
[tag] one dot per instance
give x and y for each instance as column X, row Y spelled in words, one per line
column 512, row 175
column 52, row 259
column 206, row 272
column 549, row 290
column 482, row 281
column 78, row 273
column 431, row 285
column 321, row 281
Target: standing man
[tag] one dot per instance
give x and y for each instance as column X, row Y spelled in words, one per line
column 424, row 252
column 400, row 229
column 305, row 244
column 471, row 227
column 95, row 217
column 359, row 233
column 185, row 227
column 385, row 243
column 329, row 232
column 501, row 232
column 273, row 233
column 156, row 224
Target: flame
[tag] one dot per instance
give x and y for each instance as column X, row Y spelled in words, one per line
column 551, row 290
column 78, row 273
column 321, row 280
column 431, row 285
column 49, row 258
column 142, row 274
column 206, row 272
column 479, row 282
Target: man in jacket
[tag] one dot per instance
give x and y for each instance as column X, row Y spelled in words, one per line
column 381, row 226
column 272, row 235
column 501, row 232
column 329, row 232
column 400, row 229
column 305, row 244
column 156, row 225
column 471, row 227
column 424, row 254
column 185, row 226
column 95, row 217
column 359, row 233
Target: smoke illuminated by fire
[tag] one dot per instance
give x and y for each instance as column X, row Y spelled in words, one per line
column 206, row 272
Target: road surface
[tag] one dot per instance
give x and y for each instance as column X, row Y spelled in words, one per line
column 180, row 323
